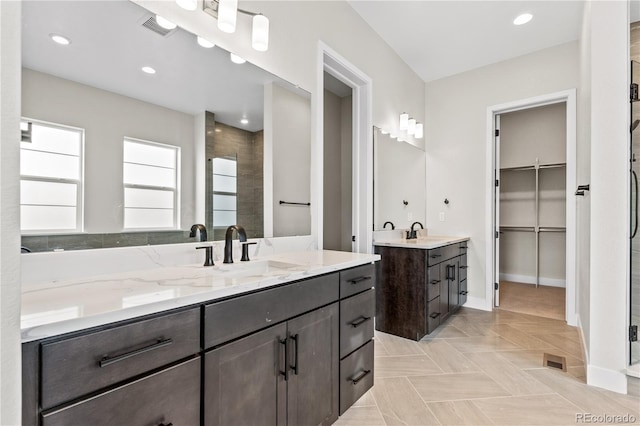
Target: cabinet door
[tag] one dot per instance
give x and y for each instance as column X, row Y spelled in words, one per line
column 243, row 383
column 313, row 375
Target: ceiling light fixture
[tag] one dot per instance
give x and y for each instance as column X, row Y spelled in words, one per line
column 60, row 39
column 237, row 59
column 404, row 121
column 205, row 43
column 522, row 19
column 188, row 4
column 244, row 121
column 165, row 23
column 226, row 12
column 148, row 70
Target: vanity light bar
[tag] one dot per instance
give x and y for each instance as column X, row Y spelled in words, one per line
column 226, row 12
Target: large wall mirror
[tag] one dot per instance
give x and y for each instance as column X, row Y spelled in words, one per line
column 133, row 133
column 399, row 184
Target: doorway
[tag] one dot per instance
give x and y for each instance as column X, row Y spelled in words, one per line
column 537, row 220
column 337, row 165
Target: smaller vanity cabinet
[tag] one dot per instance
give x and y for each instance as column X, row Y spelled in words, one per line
column 357, row 311
column 417, row 289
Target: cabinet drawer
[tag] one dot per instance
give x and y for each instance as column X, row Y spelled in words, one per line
column 463, row 292
column 76, row 366
column 169, row 396
column 356, row 376
column 356, row 321
column 435, row 256
column 433, row 282
column 434, row 314
column 357, row 279
column 463, row 267
column 242, row 315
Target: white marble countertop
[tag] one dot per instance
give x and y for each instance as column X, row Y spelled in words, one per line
column 428, row 242
column 57, row 307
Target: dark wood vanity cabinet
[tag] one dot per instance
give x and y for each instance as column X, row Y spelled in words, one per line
column 417, row 289
column 299, row 353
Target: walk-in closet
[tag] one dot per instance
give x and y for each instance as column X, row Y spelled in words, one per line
column 532, row 210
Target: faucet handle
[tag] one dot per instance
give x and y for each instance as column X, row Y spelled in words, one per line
column 208, row 260
column 245, row 251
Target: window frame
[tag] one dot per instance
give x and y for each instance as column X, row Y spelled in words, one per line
column 176, row 191
column 79, row 182
column 224, row 193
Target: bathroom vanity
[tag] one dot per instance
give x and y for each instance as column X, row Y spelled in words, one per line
column 420, row 283
column 280, row 340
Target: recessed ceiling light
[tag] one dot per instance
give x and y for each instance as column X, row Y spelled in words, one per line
column 523, row 19
column 165, row 23
column 148, row 70
column 205, row 43
column 60, row 39
column 237, row 59
column 188, row 4
column 244, row 121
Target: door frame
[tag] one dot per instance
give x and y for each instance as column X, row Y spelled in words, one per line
column 362, row 135
column 492, row 275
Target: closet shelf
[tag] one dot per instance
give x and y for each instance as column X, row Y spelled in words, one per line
column 533, row 167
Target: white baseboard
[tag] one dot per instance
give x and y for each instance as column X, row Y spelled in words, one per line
column 585, row 350
column 528, row 279
column 615, row 381
column 476, row 303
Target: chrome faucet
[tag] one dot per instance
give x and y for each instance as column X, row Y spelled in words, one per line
column 413, row 233
column 202, row 230
column 228, row 243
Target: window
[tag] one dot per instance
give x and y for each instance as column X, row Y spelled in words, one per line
column 225, row 193
column 151, row 181
column 51, row 172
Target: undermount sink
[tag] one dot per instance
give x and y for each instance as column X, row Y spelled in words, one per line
column 254, row 267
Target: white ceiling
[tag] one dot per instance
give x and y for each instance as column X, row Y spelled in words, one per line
column 442, row 38
column 109, row 47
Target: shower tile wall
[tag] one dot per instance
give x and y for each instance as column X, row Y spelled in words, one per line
column 223, row 140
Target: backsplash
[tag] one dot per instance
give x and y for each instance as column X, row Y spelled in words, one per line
column 43, row 243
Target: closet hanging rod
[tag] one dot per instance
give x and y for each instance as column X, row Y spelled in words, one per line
column 517, row 169
column 552, row 229
column 294, row 204
column 517, row 229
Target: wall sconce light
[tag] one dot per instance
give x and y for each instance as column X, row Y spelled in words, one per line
column 419, row 131
column 404, row 121
column 226, row 12
column 411, row 127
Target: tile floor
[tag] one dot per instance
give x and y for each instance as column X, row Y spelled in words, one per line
column 485, row 368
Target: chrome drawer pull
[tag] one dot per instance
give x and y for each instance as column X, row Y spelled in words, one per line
column 359, row 279
column 360, row 321
column 364, row 374
column 160, row 343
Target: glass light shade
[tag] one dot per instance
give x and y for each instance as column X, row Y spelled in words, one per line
column 165, row 23
column 404, row 121
column 411, row 127
column 260, row 33
column 237, row 59
column 227, row 14
column 188, row 4
column 205, row 43
column 419, row 131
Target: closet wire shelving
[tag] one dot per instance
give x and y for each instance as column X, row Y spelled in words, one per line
column 536, row 229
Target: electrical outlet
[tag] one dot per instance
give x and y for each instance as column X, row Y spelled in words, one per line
column 441, row 216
